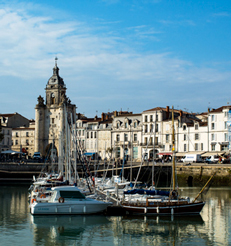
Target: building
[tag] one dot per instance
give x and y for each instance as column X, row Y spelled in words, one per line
column 126, row 135
column 23, row 139
column 9, row 121
column 54, row 117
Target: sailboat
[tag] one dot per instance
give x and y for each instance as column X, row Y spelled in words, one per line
column 153, row 202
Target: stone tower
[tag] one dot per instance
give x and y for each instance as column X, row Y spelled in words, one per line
column 53, row 115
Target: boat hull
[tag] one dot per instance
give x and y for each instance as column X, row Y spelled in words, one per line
column 69, row 208
column 181, row 209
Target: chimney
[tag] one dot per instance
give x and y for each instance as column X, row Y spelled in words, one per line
column 167, row 112
column 107, row 117
column 208, row 110
column 115, row 113
column 102, row 117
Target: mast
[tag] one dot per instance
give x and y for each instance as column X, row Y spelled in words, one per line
column 173, row 152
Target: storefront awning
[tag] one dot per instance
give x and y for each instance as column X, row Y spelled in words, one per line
column 213, row 153
column 189, row 153
column 164, row 153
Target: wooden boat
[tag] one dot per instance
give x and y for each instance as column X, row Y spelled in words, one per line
column 172, row 204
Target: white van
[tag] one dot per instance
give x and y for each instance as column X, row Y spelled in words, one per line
column 192, row 158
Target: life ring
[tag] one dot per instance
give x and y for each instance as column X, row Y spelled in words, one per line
column 61, row 200
column 43, row 196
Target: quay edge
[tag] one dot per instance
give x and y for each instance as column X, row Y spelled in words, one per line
column 195, row 174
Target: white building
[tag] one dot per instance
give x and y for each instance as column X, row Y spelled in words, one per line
column 127, row 136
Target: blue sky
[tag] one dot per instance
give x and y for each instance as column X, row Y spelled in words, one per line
column 116, row 54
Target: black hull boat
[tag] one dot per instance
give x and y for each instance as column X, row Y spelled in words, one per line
column 164, row 208
column 153, row 202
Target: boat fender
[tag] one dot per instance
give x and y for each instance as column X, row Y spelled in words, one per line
column 43, row 196
column 33, row 200
column 61, row 200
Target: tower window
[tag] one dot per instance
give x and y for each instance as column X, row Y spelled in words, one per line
column 52, row 98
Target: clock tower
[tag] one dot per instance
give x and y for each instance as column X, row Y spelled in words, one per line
column 53, row 115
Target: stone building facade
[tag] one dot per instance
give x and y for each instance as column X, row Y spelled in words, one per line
column 54, row 116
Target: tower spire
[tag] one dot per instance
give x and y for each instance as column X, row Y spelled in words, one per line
column 56, row 59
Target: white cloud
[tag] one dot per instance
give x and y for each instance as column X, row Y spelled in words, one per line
column 90, row 62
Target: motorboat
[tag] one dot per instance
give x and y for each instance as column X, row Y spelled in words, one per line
column 68, row 200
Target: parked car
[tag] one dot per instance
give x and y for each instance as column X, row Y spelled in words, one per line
column 37, row 156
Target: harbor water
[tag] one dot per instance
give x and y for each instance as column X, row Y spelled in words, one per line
column 19, row 227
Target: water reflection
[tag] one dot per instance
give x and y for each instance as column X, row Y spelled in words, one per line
column 212, row 227
column 53, row 229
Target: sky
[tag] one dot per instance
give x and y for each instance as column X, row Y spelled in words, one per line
column 116, row 54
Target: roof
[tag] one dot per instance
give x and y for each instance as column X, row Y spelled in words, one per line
column 218, row 110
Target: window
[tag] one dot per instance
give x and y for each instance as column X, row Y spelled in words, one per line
column 145, row 118
column 145, row 128
column 185, row 137
column 27, row 142
column 126, row 125
column 117, row 137
column 117, row 125
column 156, row 140
column 167, row 138
column 213, row 147
column 212, row 137
column 91, row 134
column 185, row 147
column 52, row 120
column 196, row 136
column 150, row 140
column 156, row 117
column 213, row 126
column 135, row 124
column 52, row 98
column 163, row 147
column 135, row 137
column 27, row 134
column 87, row 134
column 225, row 124
column 125, row 137
column 226, row 137
column 196, row 146
column 95, row 134
column 151, row 128
column 202, row 147
column 213, row 117
column 16, row 142
column 157, row 128
column 118, row 152
column 184, row 127
column 170, row 147
column 151, row 118
column 226, row 114
column 196, row 127
column 16, row 134
column 145, row 140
